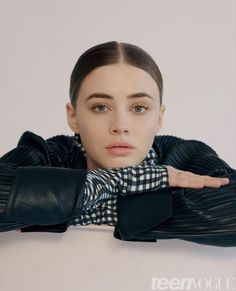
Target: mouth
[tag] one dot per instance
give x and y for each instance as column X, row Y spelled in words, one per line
column 119, row 150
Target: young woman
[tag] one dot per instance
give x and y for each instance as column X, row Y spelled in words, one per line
column 116, row 170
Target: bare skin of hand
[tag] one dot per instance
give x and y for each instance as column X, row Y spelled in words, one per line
column 185, row 179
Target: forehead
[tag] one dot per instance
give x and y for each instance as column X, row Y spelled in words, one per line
column 118, row 79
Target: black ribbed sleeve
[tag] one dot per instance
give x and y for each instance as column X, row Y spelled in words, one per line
column 32, row 150
column 6, row 178
column 191, row 155
column 205, row 215
column 21, row 156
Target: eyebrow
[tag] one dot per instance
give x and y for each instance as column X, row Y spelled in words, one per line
column 106, row 96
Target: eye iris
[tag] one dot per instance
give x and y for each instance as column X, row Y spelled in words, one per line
column 141, row 107
column 101, row 106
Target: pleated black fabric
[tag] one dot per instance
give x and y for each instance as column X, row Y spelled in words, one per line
column 31, row 150
column 21, row 156
column 205, row 216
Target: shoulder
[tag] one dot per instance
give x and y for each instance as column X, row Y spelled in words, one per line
column 168, row 145
column 56, row 148
column 32, row 139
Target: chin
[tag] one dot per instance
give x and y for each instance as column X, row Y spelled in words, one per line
column 121, row 164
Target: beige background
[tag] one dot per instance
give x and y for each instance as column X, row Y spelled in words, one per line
column 194, row 44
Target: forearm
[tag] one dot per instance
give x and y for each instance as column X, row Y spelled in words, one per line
column 141, row 178
column 6, row 181
column 104, row 185
column 39, row 195
column 45, row 195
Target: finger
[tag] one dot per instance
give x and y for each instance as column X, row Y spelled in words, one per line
column 224, row 181
column 191, row 180
column 200, row 181
column 216, row 181
column 187, row 181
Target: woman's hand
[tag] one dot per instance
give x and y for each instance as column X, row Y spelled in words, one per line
column 185, row 179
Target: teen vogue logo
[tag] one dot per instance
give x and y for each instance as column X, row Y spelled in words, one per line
column 192, row 284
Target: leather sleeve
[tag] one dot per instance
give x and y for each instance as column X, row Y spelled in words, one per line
column 59, row 228
column 32, row 150
column 210, row 218
column 139, row 213
column 46, row 195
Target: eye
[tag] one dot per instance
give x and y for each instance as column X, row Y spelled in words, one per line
column 101, row 108
column 98, row 106
column 140, row 106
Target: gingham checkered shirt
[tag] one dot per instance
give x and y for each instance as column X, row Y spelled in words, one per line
column 103, row 185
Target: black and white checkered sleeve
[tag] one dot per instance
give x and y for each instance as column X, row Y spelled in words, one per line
column 141, row 178
column 100, row 194
column 103, row 185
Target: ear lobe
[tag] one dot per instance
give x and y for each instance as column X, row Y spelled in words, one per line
column 163, row 108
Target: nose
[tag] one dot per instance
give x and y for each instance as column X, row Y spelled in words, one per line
column 119, row 125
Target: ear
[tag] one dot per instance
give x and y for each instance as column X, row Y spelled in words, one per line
column 160, row 120
column 72, row 118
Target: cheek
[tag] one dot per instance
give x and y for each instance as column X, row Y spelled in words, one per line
column 147, row 125
column 147, row 131
column 93, row 141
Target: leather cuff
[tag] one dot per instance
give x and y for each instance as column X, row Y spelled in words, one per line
column 139, row 213
column 46, row 195
column 46, row 228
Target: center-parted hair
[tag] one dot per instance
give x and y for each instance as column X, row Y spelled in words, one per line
column 108, row 53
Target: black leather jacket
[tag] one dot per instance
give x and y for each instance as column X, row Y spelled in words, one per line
column 45, row 171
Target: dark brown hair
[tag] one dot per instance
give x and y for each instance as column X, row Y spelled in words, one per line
column 112, row 52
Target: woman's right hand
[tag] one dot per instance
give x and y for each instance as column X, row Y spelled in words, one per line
column 185, row 179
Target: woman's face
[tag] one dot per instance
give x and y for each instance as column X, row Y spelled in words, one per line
column 115, row 117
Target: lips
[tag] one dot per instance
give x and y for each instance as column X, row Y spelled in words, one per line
column 120, row 148
column 119, row 151
column 120, row 145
